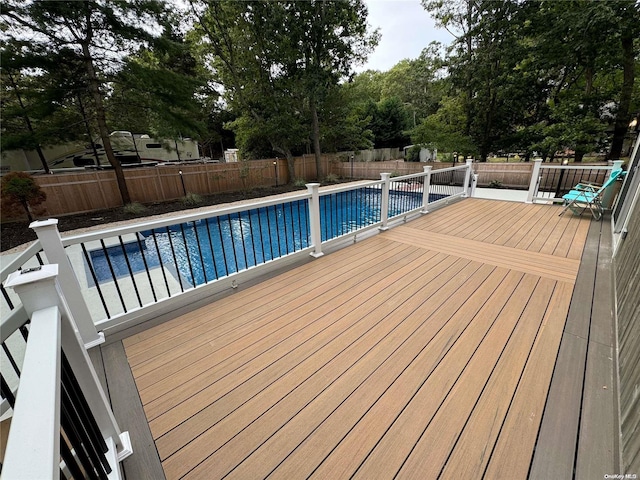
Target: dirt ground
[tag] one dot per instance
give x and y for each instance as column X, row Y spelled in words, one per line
column 16, row 233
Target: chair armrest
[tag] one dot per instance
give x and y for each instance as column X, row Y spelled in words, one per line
column 589, row 187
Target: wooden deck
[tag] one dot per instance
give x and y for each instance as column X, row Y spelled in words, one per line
column 426, row 351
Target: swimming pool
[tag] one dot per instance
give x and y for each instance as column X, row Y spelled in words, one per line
column 205, row 250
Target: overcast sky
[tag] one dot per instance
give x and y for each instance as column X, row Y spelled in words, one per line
column 406, row 29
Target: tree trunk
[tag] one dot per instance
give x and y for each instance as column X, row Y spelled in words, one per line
column 27, row 121
column 86, row 125
column 622, row 117
column 25, row 205
column 102, row 124
column 291, row 167
column 316, row 138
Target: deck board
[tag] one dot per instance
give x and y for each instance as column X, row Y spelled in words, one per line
column 424, row 351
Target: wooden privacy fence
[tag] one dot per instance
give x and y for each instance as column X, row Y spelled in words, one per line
column 86, row 191
column 91, row 190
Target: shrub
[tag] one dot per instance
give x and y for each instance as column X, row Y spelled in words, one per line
column 413, row 154
column 134, row 208
column 299, row 182
column 191, row 199
column 331, row 178
column 495, row 184
column 20, row 189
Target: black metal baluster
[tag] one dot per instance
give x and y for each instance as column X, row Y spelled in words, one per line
column 332, row 212
column 186, row 251
column 71, row 423
column 7, row 393
column 126, row 260
column 11, row 359
column 269, row 232
column 164, row 274
column 146, row 267
column 39, row 258
column 233, row 241
column 6, row 297
column 213, row 253
column 224, row 253
column 25, row 331
column 204, row 268
column 262, row 236
column 113, row 274
column 293, row 226
column 70, row 382
column 253, row 240
column 302, row 232
column 175, row 259
column 95, row 279
column 284, row 224
column 244, row 246
column 69, row 459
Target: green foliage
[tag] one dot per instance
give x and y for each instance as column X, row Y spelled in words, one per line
column 192, row 199
column 299, row 182
column 389, row 123
column 134, row 208
column 162, row 82
column 536, row 75
column 331, row 178
column 278, row 62
column 443, row 130
column 413, row 154
column 19, row 189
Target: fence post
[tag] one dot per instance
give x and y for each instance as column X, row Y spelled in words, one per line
column 474, row 184
column 314, row 219
column 47, row 232
column 467, row 176
column 425, row 189
column 384, row 207
column 36, row 289
column 533, row 181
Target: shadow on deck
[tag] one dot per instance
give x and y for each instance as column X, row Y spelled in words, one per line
column 447, row 347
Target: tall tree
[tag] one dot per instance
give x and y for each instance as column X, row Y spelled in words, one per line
column 158, row 88
column 279, row 60
column 330, row 36
column 99, row 31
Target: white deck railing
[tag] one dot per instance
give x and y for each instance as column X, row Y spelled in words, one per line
column 550, row 182
column 56, row 295
column 58, row 386
column 138, row 293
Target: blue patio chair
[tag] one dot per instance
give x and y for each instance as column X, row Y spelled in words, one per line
column 586, row 195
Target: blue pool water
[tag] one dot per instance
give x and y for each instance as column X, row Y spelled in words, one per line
column 202, row 251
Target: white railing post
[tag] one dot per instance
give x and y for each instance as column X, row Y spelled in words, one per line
column 384, row 207
column 533, row 182
column 35, row 289
column 474, row 184
column 47, row 231
column 607, row 198
column 33, row 446
column 467, row 176
column 314, row 219
column 425, row 189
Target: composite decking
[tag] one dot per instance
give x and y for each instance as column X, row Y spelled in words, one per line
column 426, row 351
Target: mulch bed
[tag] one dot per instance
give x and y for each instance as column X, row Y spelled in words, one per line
column 15, row 233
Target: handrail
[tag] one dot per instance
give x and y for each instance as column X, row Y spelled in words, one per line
column 12, row 322
column 169, row 222
column 33, row 447
column 576, row 167
column 20, row 260
column 59, row 391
